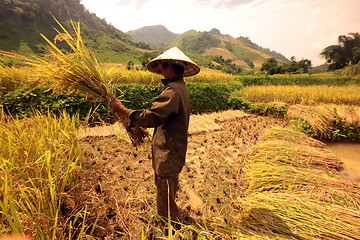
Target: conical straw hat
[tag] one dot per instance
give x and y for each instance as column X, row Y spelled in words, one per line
column 176, row 56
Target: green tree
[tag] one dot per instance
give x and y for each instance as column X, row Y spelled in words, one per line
column 146, row 57
column 304, row 66
column 271, row 66
column 347, row 52
column 291, row 67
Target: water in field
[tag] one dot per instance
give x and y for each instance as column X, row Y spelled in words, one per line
column 349, row 153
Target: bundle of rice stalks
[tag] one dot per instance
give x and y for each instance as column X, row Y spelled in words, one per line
column 320, row 118
column 348, row 114
column 288, row 216
column 288, row 146
column 292, row 136
column 78, row 72
column 293, row 191
column 312, row 183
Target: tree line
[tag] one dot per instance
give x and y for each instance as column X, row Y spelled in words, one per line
column 273, row 66
column 345, row 53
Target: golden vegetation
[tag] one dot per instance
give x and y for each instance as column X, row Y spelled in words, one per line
column 322, row 117
column 294, row 178
column 285, row 186
column 304, row 94
column 38, row 160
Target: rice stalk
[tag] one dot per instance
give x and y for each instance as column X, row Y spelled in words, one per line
column 294, row 94
column 78, row 72
column 320, row 118
column 286, row 153
column 287, row 214
column 313, row 183
column 292, row 136
column 294, row 192
column 38, row 157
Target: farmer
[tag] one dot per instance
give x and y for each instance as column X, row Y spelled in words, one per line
column 169, row 115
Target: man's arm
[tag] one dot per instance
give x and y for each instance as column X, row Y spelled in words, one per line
column 117, row 107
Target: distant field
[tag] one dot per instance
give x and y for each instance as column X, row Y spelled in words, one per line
column 12, row 78
column 304, row 94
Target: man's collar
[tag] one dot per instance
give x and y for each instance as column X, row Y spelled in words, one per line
column 167, row 80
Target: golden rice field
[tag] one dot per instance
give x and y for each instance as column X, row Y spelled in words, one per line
column 304, row 94
column 246, row 177
column 13, row 77
column 145, row 77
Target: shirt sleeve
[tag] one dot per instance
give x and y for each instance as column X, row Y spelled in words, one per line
column 165, row 105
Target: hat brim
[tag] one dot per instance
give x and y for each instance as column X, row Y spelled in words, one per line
column 176, row 56
column 190, row 69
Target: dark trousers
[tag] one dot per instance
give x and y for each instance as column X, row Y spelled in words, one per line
column 166, row 194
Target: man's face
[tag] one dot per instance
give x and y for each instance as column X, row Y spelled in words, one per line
column 166, row 70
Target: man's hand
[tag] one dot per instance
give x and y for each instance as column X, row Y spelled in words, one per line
column 117, row 107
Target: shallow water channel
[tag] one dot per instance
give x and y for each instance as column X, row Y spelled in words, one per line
column 349, row 153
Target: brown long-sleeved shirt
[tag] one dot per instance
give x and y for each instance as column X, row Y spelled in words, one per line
column 169, row 115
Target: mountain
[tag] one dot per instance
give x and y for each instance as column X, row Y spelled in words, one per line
column 21, row 23
column 212, row 44
column 156, row 36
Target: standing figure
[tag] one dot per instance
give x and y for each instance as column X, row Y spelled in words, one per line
column 169, row 115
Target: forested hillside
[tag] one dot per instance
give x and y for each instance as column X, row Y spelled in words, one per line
column 223, row 52
column 21, row 23
column 156, row 36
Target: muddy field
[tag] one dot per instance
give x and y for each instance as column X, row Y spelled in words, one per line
column 117, row 180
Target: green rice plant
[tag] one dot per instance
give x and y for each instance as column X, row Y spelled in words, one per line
column 38, row 158
column 209, row 76
column 351, row 70
column 304, row 94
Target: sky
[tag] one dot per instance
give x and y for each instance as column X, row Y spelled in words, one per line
column 299, row 28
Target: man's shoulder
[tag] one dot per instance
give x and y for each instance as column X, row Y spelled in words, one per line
column 176, row 84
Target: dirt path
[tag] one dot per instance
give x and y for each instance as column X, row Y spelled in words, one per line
column 117, row 180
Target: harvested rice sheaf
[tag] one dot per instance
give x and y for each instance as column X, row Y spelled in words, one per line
column 294, row 189
column 78, row 72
